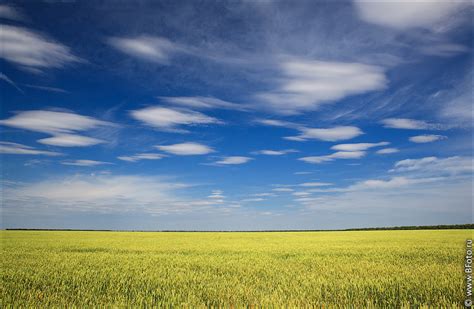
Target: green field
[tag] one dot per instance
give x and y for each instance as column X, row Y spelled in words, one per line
column 359, row 269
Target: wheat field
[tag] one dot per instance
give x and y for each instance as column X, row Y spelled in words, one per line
column 369, row 269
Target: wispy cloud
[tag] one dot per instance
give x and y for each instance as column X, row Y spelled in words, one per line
column 399, row 195
column 205, row 103
column 233, row 160
column 52, row 122
column 403, row 15
column 387, row 151
column 9, row 81
column 264, row 194
column 444, row 184
column 171, row 119
column 426, row 138
column 456, row 104
column 84, row 162
column 217, row 195
column 252, row 199
column 186, row 149
column 392, row 183
column 409, row 124
column 9, row 12
column 283, row 190
column 307, row 84
column 33, row 51
column 108, row 194
column 50, row 89
column 315, row 184
column 358, row 146
column 63, row 127
column 443, row 49
column 151, row 48
column 301, row 193
column 278, row 123
column 334, row 156
column 275, row 152
column 104, row 193
column 328, row 134
column 427, row 165
column 70, row 140
column 142, row 156
column 14, row 148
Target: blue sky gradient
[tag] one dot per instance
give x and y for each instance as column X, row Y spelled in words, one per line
column 239, row 115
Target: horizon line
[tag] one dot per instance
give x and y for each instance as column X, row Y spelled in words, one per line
column 407, row 227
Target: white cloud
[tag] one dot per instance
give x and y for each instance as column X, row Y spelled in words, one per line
column 106, row 194
column 70, row 140
column 398, row 197
column 315, row 184
column 315, row 159
column 387, row 151
column 450, row 165
column 380, row 184
column 282, row 190
column 84, row 163
column 347, row 154
column 9, row 81
column 149, row 48
column 161, row 50
column 275, row 152
column 301, row 193
column 294, row 138
column 395, row 182
column 217, row 195
column 329, row 134
column 14, row 148
column 168, row 118
column 307, row 84
column 358, row 146
column 33, row 51
column 417, row 172
column 405, row 14
column 265, row 194
column 233, row 160
column 9, row 12
column 50, row 89
column 52, row 122
column 35, row 162
column 186, row 149
column 444, row 185
column 141, row 156
column 457, row 108
column 409, row 124
column 443, row 49
column 278, row 123
column 427, row 138
column 307, row 200
column 256, row 199
column 204, row 103
column 331, row 157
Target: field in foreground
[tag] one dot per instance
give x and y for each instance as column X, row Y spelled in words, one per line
column 361, row 269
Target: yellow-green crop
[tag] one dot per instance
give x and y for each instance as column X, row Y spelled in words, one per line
column 296, row 269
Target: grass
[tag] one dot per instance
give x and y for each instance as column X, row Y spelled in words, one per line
column 303, row 269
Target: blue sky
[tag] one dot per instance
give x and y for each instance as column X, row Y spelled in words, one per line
column 236, row 115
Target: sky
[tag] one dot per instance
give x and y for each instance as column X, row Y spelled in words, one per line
column 235, row 115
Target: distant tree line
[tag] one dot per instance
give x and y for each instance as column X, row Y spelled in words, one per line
column 419, row 227
column 412, row 227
